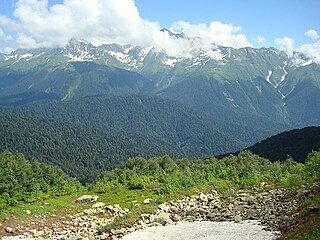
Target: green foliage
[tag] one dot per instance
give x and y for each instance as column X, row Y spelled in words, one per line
column 313, row 165
column 306, row 226
column 246, row 170
column 24, row 181
column 98, row 133
column 296, row 143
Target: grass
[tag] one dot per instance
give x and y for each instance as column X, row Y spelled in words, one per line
column 64, row 205
column 307, row 225
column 125, row 197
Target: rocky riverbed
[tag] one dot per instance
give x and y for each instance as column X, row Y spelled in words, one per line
column 272, row 208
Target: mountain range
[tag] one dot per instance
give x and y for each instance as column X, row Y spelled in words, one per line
column 231, row 98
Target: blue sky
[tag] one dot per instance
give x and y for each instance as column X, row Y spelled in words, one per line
column 270, row 20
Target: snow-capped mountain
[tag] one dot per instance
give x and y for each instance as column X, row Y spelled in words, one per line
column 245, row 85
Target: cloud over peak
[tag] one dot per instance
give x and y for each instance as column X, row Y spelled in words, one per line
column 36, row 24
column 286, row 44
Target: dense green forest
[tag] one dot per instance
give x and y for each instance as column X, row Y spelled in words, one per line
column 81, row 152
column 296, row 143
column 27, row 181
column 142, row 118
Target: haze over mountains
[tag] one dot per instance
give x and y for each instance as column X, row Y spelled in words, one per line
column 206, row 101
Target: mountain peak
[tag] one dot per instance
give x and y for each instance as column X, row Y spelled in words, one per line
column 76, row 44
column 176, row 35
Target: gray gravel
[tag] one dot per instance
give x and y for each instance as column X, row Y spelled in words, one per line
column 246, row 230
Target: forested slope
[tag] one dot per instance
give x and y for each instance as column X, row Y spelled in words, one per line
column 143, row 119
column 81, row 152
column 296, row 143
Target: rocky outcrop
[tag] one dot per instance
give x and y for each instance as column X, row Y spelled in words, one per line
column 84, row 225
column 273, row 208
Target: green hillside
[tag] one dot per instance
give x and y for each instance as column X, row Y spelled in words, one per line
column 71, row 81
column 81, row 152
column 25, row 181
column 296, row 143
column 240, row 104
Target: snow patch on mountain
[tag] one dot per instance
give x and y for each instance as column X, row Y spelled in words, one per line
column 18, row 57
column 170, row 62
column 302, row 63
column 268, row 77
column 82, row 57
column 121, row 57
column 259, row 88
column 127, row 49
column 144, row 53
column 283, row 77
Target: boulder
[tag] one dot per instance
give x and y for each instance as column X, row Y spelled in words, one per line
column 9, row 230
column 203, row 197
column 98, row 205
column 87, row 198
column 237, row 219
column 147, row 201
column 162, row 218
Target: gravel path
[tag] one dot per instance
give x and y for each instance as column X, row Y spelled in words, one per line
column 246, row 230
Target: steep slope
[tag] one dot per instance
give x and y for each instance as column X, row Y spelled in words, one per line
column 71, row 81
column 296, row 143
column 150, row 119
column 250, row 93
column 302, row 96
column 234, row 103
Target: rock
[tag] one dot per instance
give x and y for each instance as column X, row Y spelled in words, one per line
column 237, row 219
column 110, row 208
column 162, row 218
column 98, row 205
column 145, row 216
column 75, row 237
column 147, row 201
column 164, row 207
column 203, row 197
column 9, row 230
column 176, row 217
column 313, row 208
column 169, row 222
column 87, row 198
column 28, row 212
column 89, row 212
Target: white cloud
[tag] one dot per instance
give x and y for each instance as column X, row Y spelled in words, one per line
column 286, row 44
column 312, row 51
column 35, row 24
column 312, row 34
column 260, row 40
column 216, row 32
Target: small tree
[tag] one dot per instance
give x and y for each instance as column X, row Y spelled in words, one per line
column 313, row 165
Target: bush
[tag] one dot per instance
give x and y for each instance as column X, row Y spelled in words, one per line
column 313, row 165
